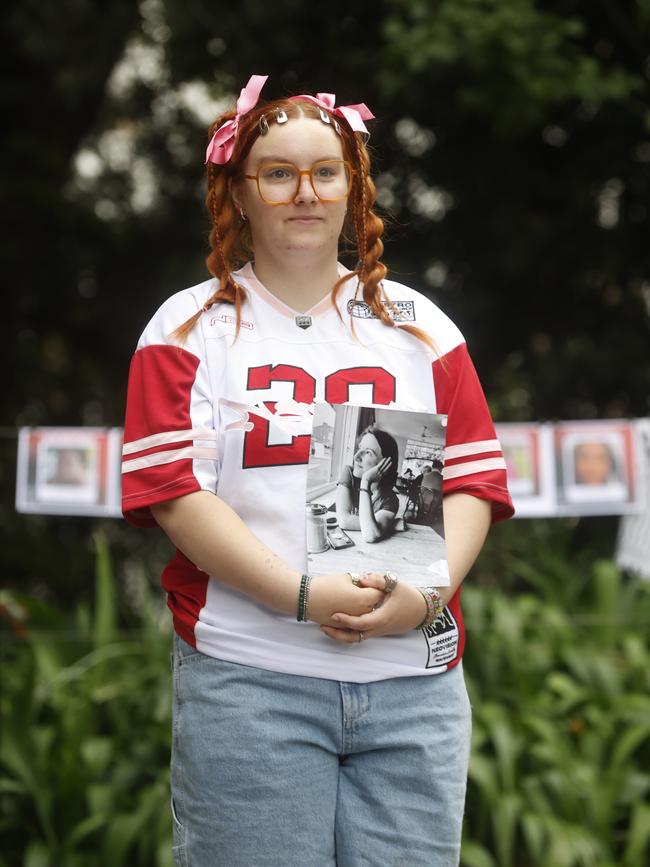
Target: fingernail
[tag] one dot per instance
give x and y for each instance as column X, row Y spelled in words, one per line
column 336, row 617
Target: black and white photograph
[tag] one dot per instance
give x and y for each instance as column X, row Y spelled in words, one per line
column 374, row 492
column 596, row 463
column 69, row 471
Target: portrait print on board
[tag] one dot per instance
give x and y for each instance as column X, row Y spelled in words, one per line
column 597, row 467
column 68, row 471
column 528, row 453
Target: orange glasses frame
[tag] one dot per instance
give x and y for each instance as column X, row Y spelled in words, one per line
column 302, row 172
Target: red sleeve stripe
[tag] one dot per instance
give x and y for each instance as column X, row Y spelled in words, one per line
column 171, row 436
column 476, row 448
column 168, row 457
column 470, row 467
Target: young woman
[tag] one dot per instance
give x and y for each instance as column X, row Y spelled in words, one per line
column 365, row 499
column 316, row 722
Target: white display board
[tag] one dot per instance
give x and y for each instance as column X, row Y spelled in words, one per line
column 554, row 470
column 69, row 471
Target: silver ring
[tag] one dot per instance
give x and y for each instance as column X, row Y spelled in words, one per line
column 354, row 576
column 391, row 582
column 362, row 636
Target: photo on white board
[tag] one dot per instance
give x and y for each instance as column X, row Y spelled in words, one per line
column 68, row 471
column 596, row 463
column 530, row 462
column 374, row 492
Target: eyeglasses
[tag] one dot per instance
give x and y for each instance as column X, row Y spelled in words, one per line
column 278, row 183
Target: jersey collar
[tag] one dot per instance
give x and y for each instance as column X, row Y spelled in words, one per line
column 321, row 307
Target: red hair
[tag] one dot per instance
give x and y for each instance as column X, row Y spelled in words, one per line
column 230, row 240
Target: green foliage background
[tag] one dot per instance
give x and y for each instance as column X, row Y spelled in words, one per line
column 512, row 156
column 558, row 669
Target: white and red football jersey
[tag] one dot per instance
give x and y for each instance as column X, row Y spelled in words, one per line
column 184, row 433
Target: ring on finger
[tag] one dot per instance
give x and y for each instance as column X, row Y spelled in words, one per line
column 391, row 582
column 354, row 577
column 362, row 636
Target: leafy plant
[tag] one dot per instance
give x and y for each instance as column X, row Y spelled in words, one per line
column 558, row 670
column 561, row 750
column 85, row 745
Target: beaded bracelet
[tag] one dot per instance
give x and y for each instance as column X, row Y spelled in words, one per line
column 435, row 605
column 303, row 597
column 307, row 589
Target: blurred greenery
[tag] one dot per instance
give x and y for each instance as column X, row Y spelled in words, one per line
column 86, row 720
column 558, row 670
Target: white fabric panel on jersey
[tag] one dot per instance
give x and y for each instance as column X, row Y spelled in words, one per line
column 184, row 428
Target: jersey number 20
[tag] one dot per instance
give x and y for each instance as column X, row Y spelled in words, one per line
column 257, row 450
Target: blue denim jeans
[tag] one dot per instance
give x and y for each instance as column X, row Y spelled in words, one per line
column 280, row 770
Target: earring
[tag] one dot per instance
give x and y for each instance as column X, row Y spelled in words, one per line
column 242, row 215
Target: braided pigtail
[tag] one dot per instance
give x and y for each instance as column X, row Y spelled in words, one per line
column 226, row 239
column 368, row 230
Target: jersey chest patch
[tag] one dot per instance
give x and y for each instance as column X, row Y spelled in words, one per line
column 400, row 311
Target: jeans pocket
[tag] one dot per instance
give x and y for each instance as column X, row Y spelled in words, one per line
column 179, row 848
column 185, row 653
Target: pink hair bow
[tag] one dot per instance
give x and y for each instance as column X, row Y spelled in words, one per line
column 222, row 142
column 353, row 114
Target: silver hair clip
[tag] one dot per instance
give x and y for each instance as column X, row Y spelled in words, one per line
column 264, row 125
column 324, row 116
column 281, row 115
column 337, row 127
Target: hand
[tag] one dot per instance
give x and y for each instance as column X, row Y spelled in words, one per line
column 402, row 610
column 335, row 592
column 375, row 473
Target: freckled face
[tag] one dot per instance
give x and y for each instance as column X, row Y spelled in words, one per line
column 306, row 224
column 367, row 455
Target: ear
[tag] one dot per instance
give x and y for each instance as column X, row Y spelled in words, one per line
column 235, row 190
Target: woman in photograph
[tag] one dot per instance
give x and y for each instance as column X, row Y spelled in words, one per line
column 316, row 720
column 365, row 499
